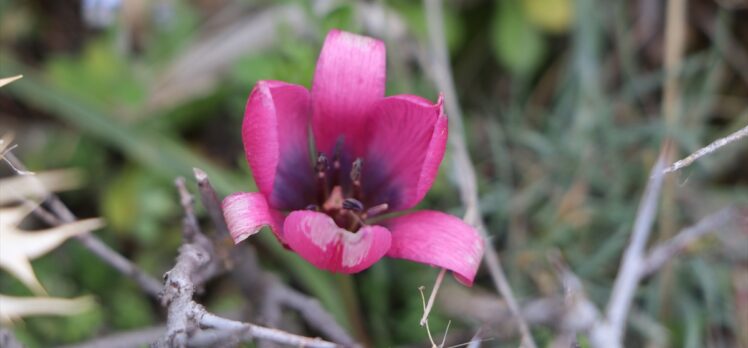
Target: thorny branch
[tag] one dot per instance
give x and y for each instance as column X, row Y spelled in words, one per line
column 462, row 163
column 61, row 214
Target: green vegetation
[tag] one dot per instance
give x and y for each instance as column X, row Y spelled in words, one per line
column 563, row 119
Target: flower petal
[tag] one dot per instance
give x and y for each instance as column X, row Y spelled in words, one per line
column 408, row 137
column 437, row 239
column 349, row 78
column 316, row 238
column 275, row 133
column 247, row 212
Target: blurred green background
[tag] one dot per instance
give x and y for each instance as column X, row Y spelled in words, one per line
column 563, row 117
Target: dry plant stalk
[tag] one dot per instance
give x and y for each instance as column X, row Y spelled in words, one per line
column 463, row 165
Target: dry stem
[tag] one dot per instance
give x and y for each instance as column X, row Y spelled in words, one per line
column 462, row 163
column 714, row 146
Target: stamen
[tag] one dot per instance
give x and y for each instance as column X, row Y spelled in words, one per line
column 321, row 167
column 353, row 205
column 356, row 177
column 377, row 209
column 312, row 207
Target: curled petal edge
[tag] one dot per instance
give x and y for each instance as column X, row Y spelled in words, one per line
column 437, row 239
column 246, row 213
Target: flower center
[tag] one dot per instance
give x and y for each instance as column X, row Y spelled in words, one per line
column 346, row 208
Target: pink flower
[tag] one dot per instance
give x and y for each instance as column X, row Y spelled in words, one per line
column 373, row 155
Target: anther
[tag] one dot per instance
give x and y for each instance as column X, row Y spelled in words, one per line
column 353, row 204
column 321, row 167
column 377, row 209
column 322, row 164
column 312, row 207
column 356, row 177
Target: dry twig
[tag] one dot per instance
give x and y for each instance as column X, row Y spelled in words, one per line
column 714, row 146
column 666, row 251
column 608, row 333
column 8, row 340
column 636, row 264
column 134, row 338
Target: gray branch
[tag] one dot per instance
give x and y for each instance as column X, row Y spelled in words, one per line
column 714, row 146
column 190, row 324
column 462, row 163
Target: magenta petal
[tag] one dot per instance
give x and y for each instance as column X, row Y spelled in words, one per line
column 247, row 212
column 437, row 239
column 316, row 238
column 349, row 78
column 408, row 137
column 276, row 142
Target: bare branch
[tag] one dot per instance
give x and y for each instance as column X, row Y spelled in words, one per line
column 608, row 333
column 462, row 163
column 8, row 340
column 313, row 313
column 664, row 252
column 63, row 215
column 249, row 331
column 579, row 312
column 134, row 338
column 714, row 146
column 209, row 198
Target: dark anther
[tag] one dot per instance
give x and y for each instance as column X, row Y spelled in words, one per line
column 312, row 207
column 321, row 167
column 322, row 164
column 353, row 204
column 356, row 177
column 356, row 170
